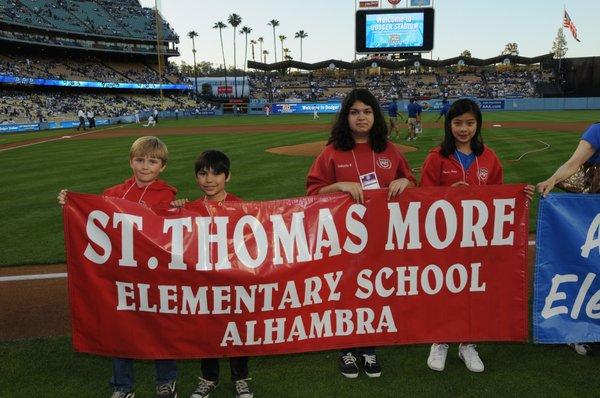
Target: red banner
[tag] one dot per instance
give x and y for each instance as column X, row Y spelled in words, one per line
column 224, row 89
column 294, row 275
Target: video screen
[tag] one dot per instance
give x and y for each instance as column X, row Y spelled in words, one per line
column 400, row 30
column 405, row 30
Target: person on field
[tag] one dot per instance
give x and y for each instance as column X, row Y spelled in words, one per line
column 151, row 122
column 414, row 118
column 393, row 116
column 587, row 151
column 81, row 117
column 147, row 158
column 462, row 160
column 91, row 118
column 444, row 110
column 358, row 142
column 212, row 170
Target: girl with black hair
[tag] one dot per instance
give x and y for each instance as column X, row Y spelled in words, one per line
column 358, row 156
column 462, row 159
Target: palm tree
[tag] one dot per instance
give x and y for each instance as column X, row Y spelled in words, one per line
column 265, row 53
column 221, row 25
column 192, row 35
column 252, row 44
column 274, row 23
column 282, row 39
column 234, row 20
column 261, row 40
column 245, row 31
column 301, row 35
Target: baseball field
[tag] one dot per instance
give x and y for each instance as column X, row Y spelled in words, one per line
column 270, row 158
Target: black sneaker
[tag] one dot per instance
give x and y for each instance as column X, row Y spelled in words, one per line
column 348, row 365
column 371, row 365
column 166, row 390
column 204, row 388
column 242, row 389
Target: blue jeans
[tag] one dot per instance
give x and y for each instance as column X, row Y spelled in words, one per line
column 358, row 351
column 123, row 377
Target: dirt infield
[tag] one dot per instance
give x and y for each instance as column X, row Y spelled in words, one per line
column 127, row 131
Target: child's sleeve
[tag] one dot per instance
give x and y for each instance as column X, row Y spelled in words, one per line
column 321, row 174
column 430, row 172
column 497, row 176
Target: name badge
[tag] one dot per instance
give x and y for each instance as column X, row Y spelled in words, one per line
column 369, row 181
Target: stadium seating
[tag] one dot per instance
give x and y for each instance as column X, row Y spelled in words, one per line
column 441, row 83
column 117, row 18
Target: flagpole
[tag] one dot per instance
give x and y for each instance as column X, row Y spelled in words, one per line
column 562, row 26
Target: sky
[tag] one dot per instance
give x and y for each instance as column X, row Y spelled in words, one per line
column 481, row 26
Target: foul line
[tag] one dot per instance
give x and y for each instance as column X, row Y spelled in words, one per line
column 64, row 274
column 59, row 138
column 32, row 277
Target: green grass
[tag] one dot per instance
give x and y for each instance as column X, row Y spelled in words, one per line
column 32, row 233
column 49, row 368
column 32, row 176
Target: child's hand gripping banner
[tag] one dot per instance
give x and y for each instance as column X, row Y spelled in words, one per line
column 566, row 307
column 294, row 275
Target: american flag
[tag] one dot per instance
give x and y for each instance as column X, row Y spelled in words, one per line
column 568, row 23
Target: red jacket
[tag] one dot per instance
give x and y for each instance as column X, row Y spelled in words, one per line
column 439, row 170
column 334, row 165
column 158, row 192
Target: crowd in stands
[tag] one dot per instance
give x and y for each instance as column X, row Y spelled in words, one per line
column 85, row 69
column 25, row 107
column 119, row 18
column 483, row 84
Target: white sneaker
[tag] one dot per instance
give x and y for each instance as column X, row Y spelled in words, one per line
column 437, row 357
column 470, row 357
column 581, row 348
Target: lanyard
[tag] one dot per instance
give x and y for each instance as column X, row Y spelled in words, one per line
column 356, row 163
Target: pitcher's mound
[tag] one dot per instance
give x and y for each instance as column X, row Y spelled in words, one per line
column 315, row 148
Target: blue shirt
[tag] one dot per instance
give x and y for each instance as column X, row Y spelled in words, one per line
column 592, row 135
column 445, row 109
column 393, row 109
column 465, row 160
column 413, row 109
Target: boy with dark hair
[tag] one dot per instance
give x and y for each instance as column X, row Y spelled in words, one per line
column 212, row 170
column 147, row 158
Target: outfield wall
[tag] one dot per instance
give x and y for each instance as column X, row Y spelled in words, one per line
column 496, row 104
column 68, row 124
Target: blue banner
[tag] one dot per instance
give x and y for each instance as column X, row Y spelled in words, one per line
column 566, row 305
column 305, row 107
column 67, row 124
column 19, row 128
column 491, row 104
column 8, row 79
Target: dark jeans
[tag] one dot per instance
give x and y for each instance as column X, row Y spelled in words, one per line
column 81, row 123
column 123, row 375
column 358, row 351
column 238, row 366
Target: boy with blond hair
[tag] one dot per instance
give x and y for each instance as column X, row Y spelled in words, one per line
column 147, row 158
